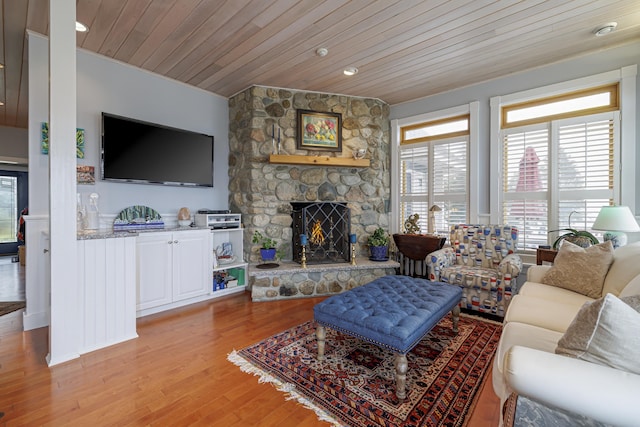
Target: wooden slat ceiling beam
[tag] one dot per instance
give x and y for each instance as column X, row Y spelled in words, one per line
column 404, row 49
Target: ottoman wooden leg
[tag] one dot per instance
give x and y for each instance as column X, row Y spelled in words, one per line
column 455, row 315
column 401, row 366
column 321, row 334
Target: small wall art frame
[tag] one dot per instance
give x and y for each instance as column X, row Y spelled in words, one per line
column 44, row 146
column 319, row 131
column 86, row 175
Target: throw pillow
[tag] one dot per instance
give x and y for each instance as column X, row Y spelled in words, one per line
column 607, row 332
column 579, row 269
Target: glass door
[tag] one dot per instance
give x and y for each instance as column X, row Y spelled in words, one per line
column 13, row 199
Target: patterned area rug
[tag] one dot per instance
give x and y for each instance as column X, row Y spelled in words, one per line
column 355, row 386
column 10, row 307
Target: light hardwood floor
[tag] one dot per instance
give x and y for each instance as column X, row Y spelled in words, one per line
column 11, row 280
column 174, row 374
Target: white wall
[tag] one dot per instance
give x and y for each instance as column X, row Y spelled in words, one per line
column 571, row 69
column 14, row 147
column 13, row 142
column 110, row 86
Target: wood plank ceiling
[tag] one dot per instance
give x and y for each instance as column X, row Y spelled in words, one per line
column 404, row 49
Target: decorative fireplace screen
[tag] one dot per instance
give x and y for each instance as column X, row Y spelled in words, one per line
column 327, row 226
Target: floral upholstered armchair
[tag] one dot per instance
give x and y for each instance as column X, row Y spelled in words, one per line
column 481, row 260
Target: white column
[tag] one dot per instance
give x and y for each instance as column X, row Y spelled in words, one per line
column 628, row 101
column 65, row 329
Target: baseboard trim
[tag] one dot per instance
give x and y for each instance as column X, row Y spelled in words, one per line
column 35, row 320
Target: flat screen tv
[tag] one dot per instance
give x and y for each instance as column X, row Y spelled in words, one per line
column 140, row 152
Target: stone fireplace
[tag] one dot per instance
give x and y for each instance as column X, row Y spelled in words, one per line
column 268, row 194
column 326, row 226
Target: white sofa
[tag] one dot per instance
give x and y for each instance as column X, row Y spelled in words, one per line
column 526, row 362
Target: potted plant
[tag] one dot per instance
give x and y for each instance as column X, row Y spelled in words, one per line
column 581, row 238
column 379, row 245
column 267, row 246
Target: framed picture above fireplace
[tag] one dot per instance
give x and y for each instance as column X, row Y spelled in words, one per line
column 319, row 131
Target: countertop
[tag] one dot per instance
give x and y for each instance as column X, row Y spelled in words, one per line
column 107, row 233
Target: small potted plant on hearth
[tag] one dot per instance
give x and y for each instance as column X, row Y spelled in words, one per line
column 379, row 245
column 267, row 246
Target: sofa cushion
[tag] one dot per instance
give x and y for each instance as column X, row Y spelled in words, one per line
column 581, row 270
column 535, row 273
column 607, row 332
column 542, row 312
column 553, row 293
column 624, row 268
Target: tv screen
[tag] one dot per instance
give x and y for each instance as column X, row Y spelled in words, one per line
column 148, row 153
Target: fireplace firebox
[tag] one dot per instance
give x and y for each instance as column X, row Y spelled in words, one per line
column 327, row 226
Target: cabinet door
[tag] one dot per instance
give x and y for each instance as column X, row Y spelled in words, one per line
column 154, row 269
column 191, row 263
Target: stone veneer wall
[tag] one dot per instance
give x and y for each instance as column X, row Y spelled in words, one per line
column 262, row 192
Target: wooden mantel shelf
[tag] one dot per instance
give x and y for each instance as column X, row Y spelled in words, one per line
column 318, row 160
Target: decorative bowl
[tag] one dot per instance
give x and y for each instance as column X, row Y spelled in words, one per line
column 418, row 246
column 184, row 213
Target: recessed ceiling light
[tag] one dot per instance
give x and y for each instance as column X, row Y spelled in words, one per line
column 350, row 71
column 1, row 103
column 605, row 29
column 1, row 66
column 81, row 28
column 322, row 51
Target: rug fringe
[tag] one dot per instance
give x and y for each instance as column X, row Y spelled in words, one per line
column 288, row 388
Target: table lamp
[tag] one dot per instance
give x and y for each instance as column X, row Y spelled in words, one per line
column 615, row 221
column 432, row 218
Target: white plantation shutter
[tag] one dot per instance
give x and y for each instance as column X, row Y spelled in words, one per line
column 553, row 169
column 450, row 183
column 414, row 186
column 525, row 200
column 585, row 168
column 434, row 170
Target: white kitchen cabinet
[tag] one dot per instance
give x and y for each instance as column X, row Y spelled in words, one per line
column 173, row 269
column 191, row 262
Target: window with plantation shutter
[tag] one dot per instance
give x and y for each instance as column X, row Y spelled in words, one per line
column 558, row 175
column 585, row 169
column 525, row 200
column 561, row 152
column 450, row 183
column 414, row 186
column 434, row 171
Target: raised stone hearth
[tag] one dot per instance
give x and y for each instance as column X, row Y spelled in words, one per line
column 290, row 280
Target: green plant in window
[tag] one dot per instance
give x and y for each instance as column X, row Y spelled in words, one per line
column 581, row 238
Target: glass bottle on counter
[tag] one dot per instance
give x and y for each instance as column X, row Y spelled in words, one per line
column 80, row 213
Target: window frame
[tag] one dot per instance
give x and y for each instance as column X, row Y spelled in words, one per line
column 614, row 104
column 625, row 77
column 472, row 110
column 405, row 129
column 432, row 195
column 552, row 193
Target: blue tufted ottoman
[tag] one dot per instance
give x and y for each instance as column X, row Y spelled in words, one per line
column 393, row 312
